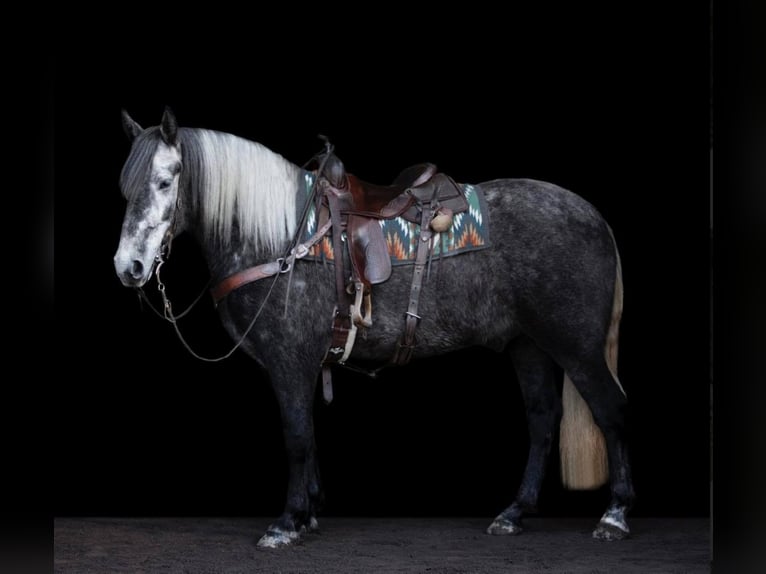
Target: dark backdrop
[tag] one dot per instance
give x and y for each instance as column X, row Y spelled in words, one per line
column 617, row 113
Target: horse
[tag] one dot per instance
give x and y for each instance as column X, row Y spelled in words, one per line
column 547, row 293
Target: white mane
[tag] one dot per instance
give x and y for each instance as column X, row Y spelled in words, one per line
column 243, row 181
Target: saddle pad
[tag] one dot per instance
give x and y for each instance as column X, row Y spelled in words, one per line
column 469, row 232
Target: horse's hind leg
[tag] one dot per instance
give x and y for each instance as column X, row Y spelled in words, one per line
column 608, row 404
column 536, row 373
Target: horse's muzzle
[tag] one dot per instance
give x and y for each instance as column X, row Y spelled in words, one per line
column 132, row 273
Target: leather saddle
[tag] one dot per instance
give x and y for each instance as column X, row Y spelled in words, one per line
column 363, row 205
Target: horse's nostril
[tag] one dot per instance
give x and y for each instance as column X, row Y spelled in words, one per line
column 137, row 271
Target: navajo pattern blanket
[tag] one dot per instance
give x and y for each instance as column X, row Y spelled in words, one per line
column 469, row 232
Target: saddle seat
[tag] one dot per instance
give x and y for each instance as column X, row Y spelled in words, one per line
column 388, row 201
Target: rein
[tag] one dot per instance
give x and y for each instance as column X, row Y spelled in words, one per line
column 159, row 260
column 168, row 315
column 274, row 268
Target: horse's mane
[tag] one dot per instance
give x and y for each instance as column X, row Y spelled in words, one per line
column 236, row 186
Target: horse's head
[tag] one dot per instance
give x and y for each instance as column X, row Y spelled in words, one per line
column 150, row 182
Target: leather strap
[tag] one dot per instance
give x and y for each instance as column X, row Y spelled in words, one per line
column 264, row 270
column 243, row 277
column 327, row 383
column 343, row 329
column 344, row 301
column 406, row 344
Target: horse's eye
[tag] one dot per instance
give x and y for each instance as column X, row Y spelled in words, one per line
column 164, row 184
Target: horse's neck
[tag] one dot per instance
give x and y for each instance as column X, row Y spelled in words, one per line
column 247, row 203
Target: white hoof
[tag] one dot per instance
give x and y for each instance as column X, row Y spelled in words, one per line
column 612, row 525
column 276, row 538
column 502, row 527
column 610, row 528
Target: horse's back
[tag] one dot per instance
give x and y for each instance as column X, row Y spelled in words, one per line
column 539, row 206
column 545, row 226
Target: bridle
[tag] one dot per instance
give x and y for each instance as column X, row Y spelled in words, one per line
column 280, row 266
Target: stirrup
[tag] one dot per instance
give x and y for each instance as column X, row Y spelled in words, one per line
column 356, row 316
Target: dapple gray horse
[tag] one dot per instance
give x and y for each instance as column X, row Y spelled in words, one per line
column 547, row 293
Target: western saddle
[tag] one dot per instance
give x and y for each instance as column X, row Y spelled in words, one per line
column 354, row 207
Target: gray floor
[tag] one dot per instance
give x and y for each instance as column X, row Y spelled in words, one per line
column 367, row 545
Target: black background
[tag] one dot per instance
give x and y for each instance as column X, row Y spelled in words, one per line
column 614, row 106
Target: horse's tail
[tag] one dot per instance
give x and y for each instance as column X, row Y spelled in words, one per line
column 581, row 444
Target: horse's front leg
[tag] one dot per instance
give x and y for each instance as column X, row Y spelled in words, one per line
column 295, row 395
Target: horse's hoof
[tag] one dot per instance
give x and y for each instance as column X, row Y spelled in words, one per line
column 277, row 538
column 503, row 527
column 313, row 525
column 607, row 531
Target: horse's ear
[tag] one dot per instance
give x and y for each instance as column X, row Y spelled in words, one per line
column 131, row 127
column 169, row 127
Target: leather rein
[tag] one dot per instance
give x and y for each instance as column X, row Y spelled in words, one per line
column 274, row 269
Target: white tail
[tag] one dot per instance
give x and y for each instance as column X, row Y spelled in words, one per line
column 581, row 444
